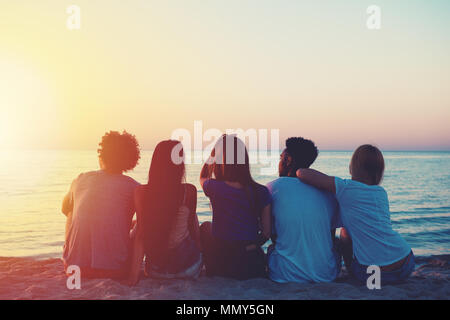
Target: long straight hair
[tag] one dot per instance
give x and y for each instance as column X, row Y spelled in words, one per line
column 164, row 198
column 232, row 161
column 232, row 164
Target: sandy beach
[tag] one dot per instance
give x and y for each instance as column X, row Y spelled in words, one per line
column 24, row 278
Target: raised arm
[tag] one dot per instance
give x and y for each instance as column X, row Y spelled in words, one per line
column 206, row 172
column 317, row 179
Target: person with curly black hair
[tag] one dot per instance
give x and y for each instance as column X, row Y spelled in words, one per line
column 99, row 209
column 304, row 220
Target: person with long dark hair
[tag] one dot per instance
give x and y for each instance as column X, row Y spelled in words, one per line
column 167, row 229
column 241, row 219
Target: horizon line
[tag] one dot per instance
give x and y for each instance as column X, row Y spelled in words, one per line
column 193, row 150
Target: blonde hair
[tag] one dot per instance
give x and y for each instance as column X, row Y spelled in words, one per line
column 367, row 164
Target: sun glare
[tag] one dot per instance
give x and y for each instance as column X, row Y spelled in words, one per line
column 4, row 138
column 23, row 96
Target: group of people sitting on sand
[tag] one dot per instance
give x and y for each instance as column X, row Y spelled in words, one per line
column 299, row 212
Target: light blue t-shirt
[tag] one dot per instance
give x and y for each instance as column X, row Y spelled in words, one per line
column 303, row 219
column 365, row 214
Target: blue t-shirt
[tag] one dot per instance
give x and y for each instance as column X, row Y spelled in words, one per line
column 365, row 215
column 233, row 216
column 303, row 219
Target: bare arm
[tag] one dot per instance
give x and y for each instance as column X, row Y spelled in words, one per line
column 206, row 172
column 266, row 222
column 317, row 179
column 137, row 255
column 194, row 226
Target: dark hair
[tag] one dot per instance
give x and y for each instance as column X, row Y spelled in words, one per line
column 119, row 152
column 232, row 164
column 164, row 198
column 367, row 164
column 303, row 152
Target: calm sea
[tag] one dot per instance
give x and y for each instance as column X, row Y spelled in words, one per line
column 33, row 183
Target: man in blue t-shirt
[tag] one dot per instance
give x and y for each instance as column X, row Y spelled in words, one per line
column 304, row 222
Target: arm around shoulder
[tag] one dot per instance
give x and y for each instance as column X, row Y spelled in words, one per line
column 317, row 179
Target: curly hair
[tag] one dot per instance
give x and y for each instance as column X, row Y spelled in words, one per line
column 303, row 151
column 119, row 152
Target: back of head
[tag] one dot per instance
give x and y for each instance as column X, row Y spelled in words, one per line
column 119, row 152
column 167, row 167
column 367, row 165
column 302, row 152
column 164, row 197
column 232, row 161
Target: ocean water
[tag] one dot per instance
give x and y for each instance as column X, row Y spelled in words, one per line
column 33, row 183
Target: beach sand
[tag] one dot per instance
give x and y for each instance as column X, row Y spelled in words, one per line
column 24, row 278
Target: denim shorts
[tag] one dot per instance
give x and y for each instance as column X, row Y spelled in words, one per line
column 387, row 277
column 185, row 261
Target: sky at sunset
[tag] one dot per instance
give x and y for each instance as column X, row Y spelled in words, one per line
column 309, row 69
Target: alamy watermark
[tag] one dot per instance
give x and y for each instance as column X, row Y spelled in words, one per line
column 374, row 20
column 73, row 22
column 263, row 144
column 73, row 277
column 74, row 19
column 374, row 280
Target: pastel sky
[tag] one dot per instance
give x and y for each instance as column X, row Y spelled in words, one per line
column 307, row 68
